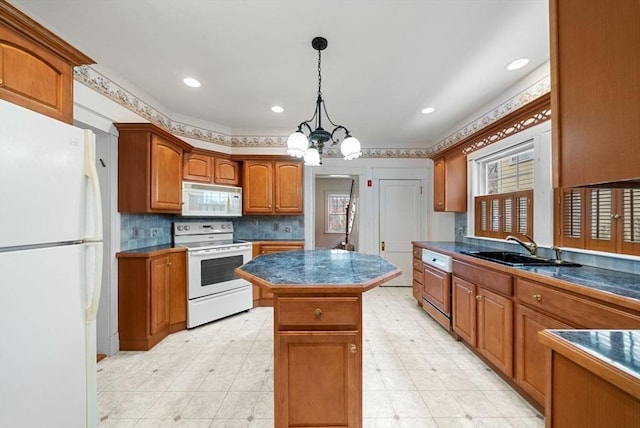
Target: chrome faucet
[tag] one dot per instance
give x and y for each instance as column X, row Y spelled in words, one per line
column 531, row 246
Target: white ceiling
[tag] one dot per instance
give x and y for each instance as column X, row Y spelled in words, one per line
column 386, row 59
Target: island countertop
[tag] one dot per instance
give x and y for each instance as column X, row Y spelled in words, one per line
column 317, row 270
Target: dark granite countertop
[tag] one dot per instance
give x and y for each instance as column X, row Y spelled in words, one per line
column 618, row 348
column 604, row 280
column 317, row 268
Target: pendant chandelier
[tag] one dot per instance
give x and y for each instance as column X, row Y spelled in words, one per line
column 310, row 146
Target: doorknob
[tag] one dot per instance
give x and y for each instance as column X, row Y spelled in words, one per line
column 382, row 246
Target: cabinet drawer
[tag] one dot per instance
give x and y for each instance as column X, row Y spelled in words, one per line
column 323, row 311
column 418, row 276
column 577, row 311
column 490, row 279
column 417, row 265
column 417, row 253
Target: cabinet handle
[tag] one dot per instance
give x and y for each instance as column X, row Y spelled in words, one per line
column 318, row 312
column 537, row 297
column 168, row 263
column 353, row 348
column 478, row 298
column 468, row 291
column 1, row 82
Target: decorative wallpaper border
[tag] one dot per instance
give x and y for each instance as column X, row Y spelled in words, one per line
column 103, row 85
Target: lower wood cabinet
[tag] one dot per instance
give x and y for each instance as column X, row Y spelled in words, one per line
column 151, row 297
column 531, row 371
column 262, row 296
column 318, row 354
column 418, row 274
column 483, row 312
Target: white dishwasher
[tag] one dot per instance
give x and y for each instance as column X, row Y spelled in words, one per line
column 436, row 294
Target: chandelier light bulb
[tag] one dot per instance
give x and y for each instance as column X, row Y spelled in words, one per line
column 351, row 148
column 312, row 157
column 297, row 144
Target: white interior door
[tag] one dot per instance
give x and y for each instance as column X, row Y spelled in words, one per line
column 399, row 225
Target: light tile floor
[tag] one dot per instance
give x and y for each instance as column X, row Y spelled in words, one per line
column 220, row 375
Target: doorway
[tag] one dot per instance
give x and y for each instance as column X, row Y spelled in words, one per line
column 400, row 217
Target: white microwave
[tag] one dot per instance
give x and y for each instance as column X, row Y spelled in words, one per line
column 211, row 200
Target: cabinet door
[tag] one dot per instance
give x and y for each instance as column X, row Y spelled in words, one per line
column 197, row 167
column 166, row 175
column 437, row 288
column 464, row 310
column 318, row 380
column 177, row 292
column 495, row 329
column 226, row 171
column 531, row 368
column 288, row 187
column 588, row 111
column 159, row 295
column 455, row 193
column 257, row 189
column 33, row 78
column 278, row 248
column 438, row 184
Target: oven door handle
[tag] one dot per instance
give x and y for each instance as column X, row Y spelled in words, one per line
column 226, row 253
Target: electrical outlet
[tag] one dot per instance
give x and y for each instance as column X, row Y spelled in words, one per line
column 287, row 229
column 136, row 232
column 155, row 231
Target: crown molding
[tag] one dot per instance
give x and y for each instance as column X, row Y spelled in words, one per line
column 105, row 86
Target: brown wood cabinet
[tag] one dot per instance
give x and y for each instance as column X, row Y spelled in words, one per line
column 149, row 169
column 206, row 168
column 483, row 312
column 151, row 297
column 418, row 274
column 595, row 109
column 226, row 171
column 541, row 306
column 530, row 353
column 36, row 66
column 586, row 391
column 318, row 376
column 263, row 296
column 450, row 182
column 272, row 186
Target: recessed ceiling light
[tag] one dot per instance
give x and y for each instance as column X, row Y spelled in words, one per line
column 190, row 81
column 277, row 109
column 427, row 110
column 517, row 64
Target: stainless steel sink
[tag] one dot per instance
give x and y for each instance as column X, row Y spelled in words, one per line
column 510, row 258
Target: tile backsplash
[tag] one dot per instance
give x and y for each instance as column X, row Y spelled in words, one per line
column 603, row 261
column 148, row 230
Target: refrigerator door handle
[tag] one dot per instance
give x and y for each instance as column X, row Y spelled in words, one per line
column 95, row 286
column 91, row 172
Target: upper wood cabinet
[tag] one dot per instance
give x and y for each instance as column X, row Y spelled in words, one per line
column 226, row 171
column 149, row 169
column 595, row 91
column 450, row 183
column 206, row 168
column 36, row 66
column 272, row 187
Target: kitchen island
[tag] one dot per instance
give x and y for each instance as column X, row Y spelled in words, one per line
column 593, row 378
column 318, row 331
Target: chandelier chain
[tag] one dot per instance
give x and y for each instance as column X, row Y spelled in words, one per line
column 319, row 73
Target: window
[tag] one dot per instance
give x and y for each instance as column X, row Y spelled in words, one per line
column 336, row 212
column 600, row 219
column 505, row 202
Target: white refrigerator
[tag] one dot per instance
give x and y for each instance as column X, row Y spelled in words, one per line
column 50, row 271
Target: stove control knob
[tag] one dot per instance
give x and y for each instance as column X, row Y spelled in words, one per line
column 224, row 226
column 187, row 227
column 179, row 228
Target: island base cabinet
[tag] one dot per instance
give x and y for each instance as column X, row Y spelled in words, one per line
column 318, row 379
column 580, row 398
